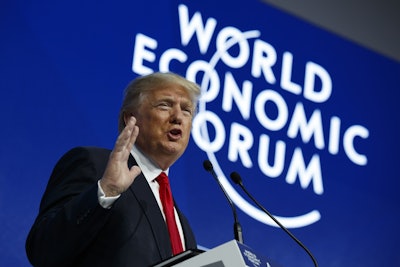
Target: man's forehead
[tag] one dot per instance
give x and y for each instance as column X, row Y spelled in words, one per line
column 170, row 91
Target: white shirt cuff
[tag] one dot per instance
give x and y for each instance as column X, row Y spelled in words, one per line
column 105, row 202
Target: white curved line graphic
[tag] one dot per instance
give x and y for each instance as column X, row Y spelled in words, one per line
column 289, row 222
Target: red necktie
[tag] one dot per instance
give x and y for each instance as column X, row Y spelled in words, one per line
column 168, row 207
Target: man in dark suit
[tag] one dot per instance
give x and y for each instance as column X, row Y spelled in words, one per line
column 102, row 207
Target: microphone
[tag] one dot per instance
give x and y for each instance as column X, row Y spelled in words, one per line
column 238, row 180
column 237, row 228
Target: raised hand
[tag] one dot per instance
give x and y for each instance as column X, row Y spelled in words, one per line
column 118, row 177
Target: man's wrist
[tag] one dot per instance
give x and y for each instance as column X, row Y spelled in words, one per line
column 104, row 201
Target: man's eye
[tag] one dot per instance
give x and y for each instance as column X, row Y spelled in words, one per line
column 163, row 104
column 188, row 111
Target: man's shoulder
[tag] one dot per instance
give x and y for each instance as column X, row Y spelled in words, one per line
column 86, row 152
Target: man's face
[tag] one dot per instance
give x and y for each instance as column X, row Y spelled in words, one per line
column 165, row 120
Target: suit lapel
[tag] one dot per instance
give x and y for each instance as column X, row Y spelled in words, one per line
column 143, row 193
column 190, row 241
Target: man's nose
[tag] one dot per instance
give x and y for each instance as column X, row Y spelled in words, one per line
column 176, row 114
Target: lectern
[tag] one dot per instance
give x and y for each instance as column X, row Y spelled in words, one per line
column 229, row 254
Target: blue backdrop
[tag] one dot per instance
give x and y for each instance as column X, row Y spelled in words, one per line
column 308, row 119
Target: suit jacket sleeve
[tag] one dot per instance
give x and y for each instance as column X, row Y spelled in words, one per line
column 69, row 216
column 72, row 229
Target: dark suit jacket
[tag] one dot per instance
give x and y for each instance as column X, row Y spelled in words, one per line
column 72, row 229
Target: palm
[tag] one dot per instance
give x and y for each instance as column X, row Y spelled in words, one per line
column 118, row 176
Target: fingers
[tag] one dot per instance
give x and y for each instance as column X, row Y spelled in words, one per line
column 135, row 171
column 132, row 132
column 133, row 136
column 117, row 176
column 127, row 137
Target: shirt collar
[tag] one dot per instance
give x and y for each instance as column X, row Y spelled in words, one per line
column 149, row 169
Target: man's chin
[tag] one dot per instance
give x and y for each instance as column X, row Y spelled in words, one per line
column 175, row 149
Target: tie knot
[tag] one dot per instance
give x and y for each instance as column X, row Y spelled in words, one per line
column 162, row 178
